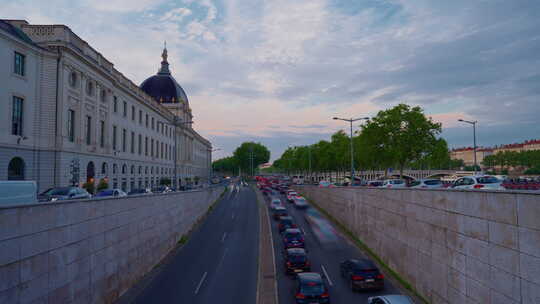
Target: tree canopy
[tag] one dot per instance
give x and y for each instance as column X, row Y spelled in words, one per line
column 248, row 154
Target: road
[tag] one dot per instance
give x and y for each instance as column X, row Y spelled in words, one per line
column 326, row 248
column 219, row 262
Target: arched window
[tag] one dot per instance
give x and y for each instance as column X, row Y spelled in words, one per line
column 132, row 169
column 104, row 168
column 114, row 168
column 151, row 170
column 146, row 170
column 124, row 169
column 90, row 172
column 90, row 88
column 140, row 169
column 16, row 169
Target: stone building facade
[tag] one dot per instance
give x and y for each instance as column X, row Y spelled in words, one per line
column 70, row 117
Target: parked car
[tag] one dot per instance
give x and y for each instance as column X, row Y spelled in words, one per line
column 18, row 192
column 393, row 183
column 111, row 192
column 427, row 184
column 140, row 191
column 310, row 288
column 362, row 274
column 390, row 299
column 293, row 238
column 278, row 212
column 326, row 184
column 300, row 202
column 374, row 183
column 485, row 182
column 63, row 193
column 161, row 189
column 296, row 261
column 285, row 222
column 275, row 202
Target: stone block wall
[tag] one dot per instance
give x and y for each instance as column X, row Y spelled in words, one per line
column 452, row 246
column 91, row 251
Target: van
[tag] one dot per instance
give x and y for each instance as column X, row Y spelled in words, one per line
column 18, row 193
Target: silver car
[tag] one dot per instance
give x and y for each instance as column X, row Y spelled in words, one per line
column 427, row 184
column 478, row 182
column 393, row 183
column 390, row 299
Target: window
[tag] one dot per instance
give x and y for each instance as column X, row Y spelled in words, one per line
column 132, row 143
column 133, row 113
column 140, row 117
column 73, row 79
column 152, row 123
column 161, row 150
column 102, row 133
column 17, row 116
column 125, row 109
column 152, row 148
column 140, row 171
column 124, row 169
column 19, row 64
column 89, row 88
column 146, row 146
column 139, row 142
column 71, row 125
column 114, row 138
column 124, row 135
column 104, row 168
column 157, row 149
column 88, row 130
column 132, row 170
column 114, row 170
column 103, row 95
column 16, row 169
column 147, row 120
column 115, row 104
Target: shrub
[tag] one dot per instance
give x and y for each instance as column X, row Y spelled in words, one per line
column 102, row 185
column 89, row 186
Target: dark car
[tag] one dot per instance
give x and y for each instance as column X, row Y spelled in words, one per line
column 139, row 191
column 279, row 212
column 296, row 261
column 63, row 193
column 310, row 288
column 293, row 238
column 266, row 191
column 300, row 203
column 283, row 189
column 362, row 274
column 285, row 222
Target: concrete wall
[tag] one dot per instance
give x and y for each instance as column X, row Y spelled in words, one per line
column 453, row 246
column 90, row 251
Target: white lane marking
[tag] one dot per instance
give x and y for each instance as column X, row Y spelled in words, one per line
column 200, row 283
column 222, row 258
column 224, row 236
column 303, row 231
column 232, row 217
column 327, row 276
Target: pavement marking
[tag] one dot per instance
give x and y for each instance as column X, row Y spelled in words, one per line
column 224, row 236
column 222, row 258
column 303, row 231
column 232, row 217
column 327, row 276
column 200, row 283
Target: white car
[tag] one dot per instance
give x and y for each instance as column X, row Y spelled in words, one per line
column 276, row 202
column 484, row 182
column 393, row 183
column 390, row 299
column 427, row 184
column 325, row 184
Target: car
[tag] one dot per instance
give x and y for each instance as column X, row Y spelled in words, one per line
column 291, row 196
column 63, row 193
column 283, row 189
column 427, row 184
column 111, row 192
column 484, row 182
column 326, row 184
column 278, row 212
column 293, row 238
column 300, row 202
column 362, row 274
column 393, row 183
column 275, row 202
column 18, row 192
column 310, row 288
column 390, row 299
column 140, row 191
column 296, row 261
column 374, row 183
column 161, row 189
column 285, row 222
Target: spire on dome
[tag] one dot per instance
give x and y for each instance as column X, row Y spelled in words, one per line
column 164, row 63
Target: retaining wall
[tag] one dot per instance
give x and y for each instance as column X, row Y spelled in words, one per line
column 91, row 251
column 452, row 246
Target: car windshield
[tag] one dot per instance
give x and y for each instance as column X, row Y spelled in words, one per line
column 432, row 182
column 293, row 236
column 488, row 180
column 312, row 289
column 296, row 258
column 286, row 221
column 59, row 191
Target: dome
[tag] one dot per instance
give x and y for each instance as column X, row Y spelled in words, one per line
column 162, row 86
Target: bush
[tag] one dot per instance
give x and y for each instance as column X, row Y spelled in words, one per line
column 89, row 186
column 535, row 170
column 102, row 185
column 165, row 181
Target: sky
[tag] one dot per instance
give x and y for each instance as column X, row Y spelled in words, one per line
column 277, row 71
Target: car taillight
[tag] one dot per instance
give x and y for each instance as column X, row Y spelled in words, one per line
column 325, row 295
column 478, row 186
column 307, row 263
column 357, row 278
column 380, row 276
column 300, row 296
column 289, row 263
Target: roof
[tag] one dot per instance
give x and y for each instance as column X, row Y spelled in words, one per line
column 310, row 277
column 292, row 230
column 15, row 31
column 296, row 251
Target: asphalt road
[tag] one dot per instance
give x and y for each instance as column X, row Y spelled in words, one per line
column 219, row 262
column 326, row 248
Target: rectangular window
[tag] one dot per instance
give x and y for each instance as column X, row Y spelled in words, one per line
column 161, row 150
column 125, row 109
column 17, row 116
column 152, row 123
column 19, row 64
column 133, row 142
column 102, row 134
column 114, row 141
column 88, row 130
column 166, row 151
column 139, row 142
column 152, row 148
column 140, row 117
column 124, row 135
column 146, row 146
column 115, row 104
column 133, row 113
column 147, row 120
column 71, row 125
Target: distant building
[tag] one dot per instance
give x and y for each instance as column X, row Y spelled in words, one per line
column 69, row 117
column 467, row 154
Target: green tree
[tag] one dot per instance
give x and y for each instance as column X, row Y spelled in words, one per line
column 248, row 150
column 102, row 185
column 227, row 165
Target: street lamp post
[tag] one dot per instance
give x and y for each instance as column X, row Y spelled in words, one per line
column 473, row 123
column 350, row 121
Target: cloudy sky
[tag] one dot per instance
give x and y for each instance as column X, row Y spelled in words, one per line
column 276, row 71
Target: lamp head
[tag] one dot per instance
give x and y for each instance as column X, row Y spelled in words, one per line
column 460, row 119
column 335, row 118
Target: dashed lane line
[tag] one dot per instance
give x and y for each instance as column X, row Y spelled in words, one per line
column 327, row 276
column 201, row 282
